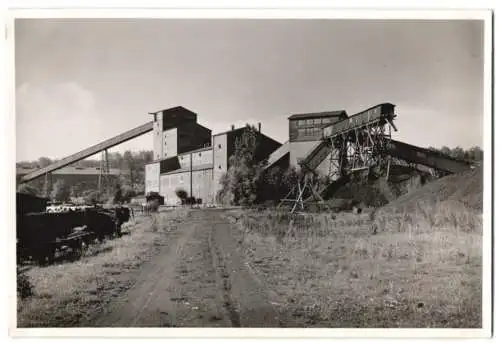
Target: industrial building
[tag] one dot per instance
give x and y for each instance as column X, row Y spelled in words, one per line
column 187, row 156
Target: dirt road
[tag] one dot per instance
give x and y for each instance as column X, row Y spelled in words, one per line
column 198, row 280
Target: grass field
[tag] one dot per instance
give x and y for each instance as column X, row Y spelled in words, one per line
column 422, row 268
column 415, row 262
column 67, row 294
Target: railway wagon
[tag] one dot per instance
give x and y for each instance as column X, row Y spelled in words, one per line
column 41, row 235
column 374, row 114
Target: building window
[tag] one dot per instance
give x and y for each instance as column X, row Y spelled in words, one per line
column 301, row 122
column 317, row 121
column 310, row 121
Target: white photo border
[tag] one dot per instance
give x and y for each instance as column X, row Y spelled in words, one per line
column 9, row 207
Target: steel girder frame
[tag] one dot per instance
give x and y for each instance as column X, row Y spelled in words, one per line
column 359, row 149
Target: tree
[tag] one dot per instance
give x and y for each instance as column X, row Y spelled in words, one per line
column 475, row 153
column 133, row 177
column 445, row 150
column 241, row 183
column 128, row 158
column 75, row 190
column 92, row 197
column 60, row 192
column 457, row 153
column 127, row 193
column 44, row 162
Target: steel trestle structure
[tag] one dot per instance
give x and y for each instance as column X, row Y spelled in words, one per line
column 357, row 143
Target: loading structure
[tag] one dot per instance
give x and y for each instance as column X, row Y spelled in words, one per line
column 358, row 143
column 90, row 151
column 330, row 143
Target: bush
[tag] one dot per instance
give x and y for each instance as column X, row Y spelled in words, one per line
column 181, row 194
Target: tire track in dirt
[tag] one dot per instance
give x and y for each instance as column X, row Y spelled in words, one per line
column 223, row 282
column 198, row 280
column 128, row 309
column 245, row 298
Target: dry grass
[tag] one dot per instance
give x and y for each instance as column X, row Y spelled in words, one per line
column 422, row 269
column 68, row 294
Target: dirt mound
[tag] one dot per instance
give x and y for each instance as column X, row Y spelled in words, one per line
column 377, row 190
column 466, row 188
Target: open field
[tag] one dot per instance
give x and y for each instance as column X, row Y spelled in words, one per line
column 416, row 262
column 328, row 272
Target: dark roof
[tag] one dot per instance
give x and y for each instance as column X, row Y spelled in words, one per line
column 196, row 150
column 341, row 113
column 230, row 131
column 173, row 109
column 178, row 108
column 185, row 170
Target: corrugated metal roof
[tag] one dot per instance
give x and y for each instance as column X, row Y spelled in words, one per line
column 341, row 113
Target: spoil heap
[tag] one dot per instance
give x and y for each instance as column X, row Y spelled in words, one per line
column 375, row 190
column 465, row 188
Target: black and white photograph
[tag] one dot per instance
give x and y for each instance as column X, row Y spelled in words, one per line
column 255, row 172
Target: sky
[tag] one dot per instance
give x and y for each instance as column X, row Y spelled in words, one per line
column 79, row 82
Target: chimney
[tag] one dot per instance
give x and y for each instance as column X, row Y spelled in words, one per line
column 259, row 127
column 232, row 127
